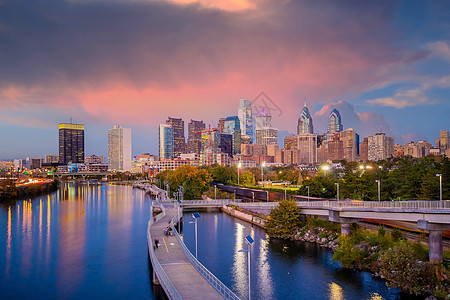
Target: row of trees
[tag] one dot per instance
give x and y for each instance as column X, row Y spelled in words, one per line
column 405, row 178
column 9, row 191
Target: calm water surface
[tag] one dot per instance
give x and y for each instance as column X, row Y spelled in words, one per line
column 88, row 241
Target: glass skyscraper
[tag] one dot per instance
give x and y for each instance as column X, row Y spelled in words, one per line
column 71, row 143
column 119, row 149
column 246, row 118
column 179, row 142
column 165, row 138
column 305, row 122
column 335, row 124
column 232, row 126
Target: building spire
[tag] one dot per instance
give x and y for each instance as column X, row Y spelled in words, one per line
column 305, row 101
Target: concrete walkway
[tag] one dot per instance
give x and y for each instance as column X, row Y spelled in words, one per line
column 185, row 278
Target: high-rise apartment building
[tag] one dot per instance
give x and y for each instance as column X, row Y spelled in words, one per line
column 179, row 142
column 246, row 118
column 221, row 124
column 226, row 143
column 194, row 143
column 71, row 143
column 119, row 149
column 233, row 126
column 350, row 143
column 335, row 123
column 51, row 159
column 335, row 147
column 307, row 145
column 263, row 120
column 380, row 146
column 165, row 138
column 291, row 141
column 265, row 134
column 93, row 159
column 305, row 122
column 364, row 150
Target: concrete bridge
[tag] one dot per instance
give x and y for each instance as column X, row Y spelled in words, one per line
column 104, row 175
column 431, row 216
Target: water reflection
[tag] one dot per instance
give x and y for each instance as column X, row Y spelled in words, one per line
column 83, row 241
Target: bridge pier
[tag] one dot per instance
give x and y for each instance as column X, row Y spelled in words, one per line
column 334, row 216
column 435, row 239
column 155, row 279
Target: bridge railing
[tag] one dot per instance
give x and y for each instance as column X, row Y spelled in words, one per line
column 208, row 202
column 167, row 285
column 213, row 280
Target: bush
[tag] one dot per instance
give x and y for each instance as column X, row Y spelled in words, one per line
column 284, row 220
column 381, row 231
column 396, row 234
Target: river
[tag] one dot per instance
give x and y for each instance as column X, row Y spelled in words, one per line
column 88, row 241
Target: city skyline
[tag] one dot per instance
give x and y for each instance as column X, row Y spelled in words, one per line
column 382, row 65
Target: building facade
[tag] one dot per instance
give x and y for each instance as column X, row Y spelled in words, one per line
column 380, row 146
column 119, row 149
column 245, row 116
column 194, row 143
column 165, row 141
column 179, row 142
column 335, row 123
column 305, row 122
column 307, row 145
column 232, row 126
column 71, row 143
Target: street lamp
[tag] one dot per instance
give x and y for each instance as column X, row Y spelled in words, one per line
column 440, row 187
column 253, row 196
column 179, row 215
column 249, row 241
column 308, row 191
column 239, row 166
column 337, row 185
column 284, row 194
column 379, row 194
column 267, row 196
column 215, row 192
column 196, row 216
column 262, row 173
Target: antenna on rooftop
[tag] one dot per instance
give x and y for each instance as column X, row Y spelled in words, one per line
column 70, row 120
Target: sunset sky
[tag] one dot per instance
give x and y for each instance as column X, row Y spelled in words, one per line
column 384, row 64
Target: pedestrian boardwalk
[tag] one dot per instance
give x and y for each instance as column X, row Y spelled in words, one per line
column 185, row 278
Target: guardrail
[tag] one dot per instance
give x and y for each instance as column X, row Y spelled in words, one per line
column 213, row 280
column 167, row 285
column 208, row 202
column 407, row 205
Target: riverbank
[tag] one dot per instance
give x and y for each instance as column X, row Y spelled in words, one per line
column 389, row 256
column 9, row 191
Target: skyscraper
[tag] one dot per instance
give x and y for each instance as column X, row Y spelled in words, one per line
column 179, row 142
column 119, row 149
column 335, row 124
column 265, row 134
column 194, row 143
column 165, row 138
column 305, row 122
column 221, row 124
column 232, row 126
column 380, row 146
column 71, row 143
column 307, row 144
column 246, row 118
column 350, row 140
column 444, row 141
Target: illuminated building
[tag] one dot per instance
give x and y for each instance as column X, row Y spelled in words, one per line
column 380, row 146
column 246, row 118
column 335, row 123
column 232, row 126
column 165, row 138
column 194, row 142
column 305, row 122
column 119, row 149
column 179, row 142
column 71, row 143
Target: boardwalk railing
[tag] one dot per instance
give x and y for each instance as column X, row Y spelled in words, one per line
column 213, row 280
column 187, row 203
column 407, row 205
column 166, row 284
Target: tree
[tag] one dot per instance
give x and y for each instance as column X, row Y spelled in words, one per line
column 224, row 174
column 284, row 220
column 195, row 181
column 247, row 178
column 8, row 190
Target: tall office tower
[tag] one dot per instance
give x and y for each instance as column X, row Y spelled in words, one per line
column 51, row 159
column 444, row 142
column 245, row 139
column 305, row 122
column 232, row 126
column 335, row 123
column 71, row 143
column 272, row 149
column 350, row 141
column 221, row 124
column 194, row 143
column 179, row 142
column 307, row 144
column 246, row 118
column 210, row 139
column 226, row 143
column 380, row 146
column 165, row 137
column 265, row 134
column 119, row 149
column 364, row 150
column 263, row 120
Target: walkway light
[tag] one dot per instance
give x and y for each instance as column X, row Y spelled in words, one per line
column 440, row 187
column 337, row 185
column 262, row 172
column 249, row 241
column 196, row 216
column 239, row 167
column 253, row 196
column 308, row 191
column 379, row 194
column 325, row 167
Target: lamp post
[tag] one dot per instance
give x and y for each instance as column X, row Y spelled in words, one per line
column 262, row 172
column 337, row 194
column 267, row 196
column 253, row 196
column 239, row 166
column 308, row 191
column 179, row 216
column 379, row 194
column 196, row 216
column 440, row 187
column 249, row 241
column 215, row 192
column 284, row 194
